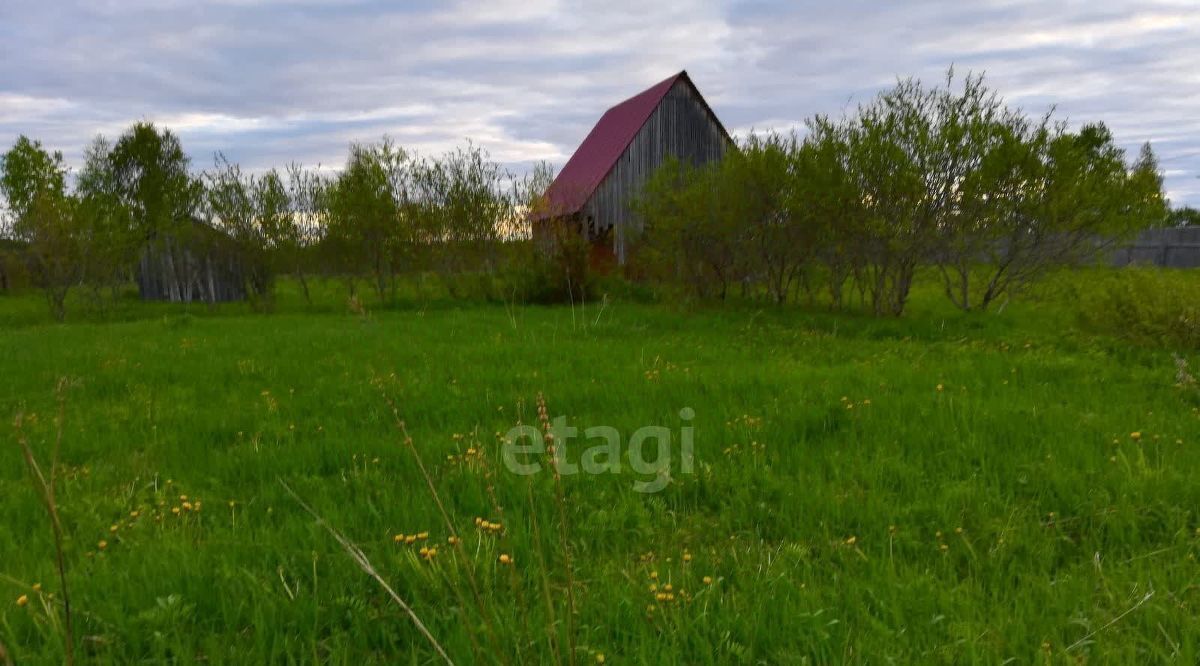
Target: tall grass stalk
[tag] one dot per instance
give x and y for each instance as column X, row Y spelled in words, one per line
column 563, row 526
column 458, row 542
column 45, row 488
column 364, row 563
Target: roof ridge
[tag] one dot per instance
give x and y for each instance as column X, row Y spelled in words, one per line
column 604, row 145
column 673, row 78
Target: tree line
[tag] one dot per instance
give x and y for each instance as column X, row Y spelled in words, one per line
column 947, row 178
column 387, row 213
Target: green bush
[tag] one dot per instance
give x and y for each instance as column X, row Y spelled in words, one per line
column 1147, row 306
column 554, row 271
column 13, row 271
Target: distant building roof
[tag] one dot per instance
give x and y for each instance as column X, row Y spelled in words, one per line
column 603, row 146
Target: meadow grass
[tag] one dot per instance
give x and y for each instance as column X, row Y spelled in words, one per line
column 942, row 488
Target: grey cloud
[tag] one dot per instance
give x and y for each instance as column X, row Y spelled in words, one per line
column 270, row 82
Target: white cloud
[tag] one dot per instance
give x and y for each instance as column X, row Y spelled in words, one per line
column 15, row 107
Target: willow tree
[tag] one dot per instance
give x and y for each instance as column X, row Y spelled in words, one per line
column 364, row 229
column 44, row 218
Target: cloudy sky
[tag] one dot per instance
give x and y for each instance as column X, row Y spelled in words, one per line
column 274, row 81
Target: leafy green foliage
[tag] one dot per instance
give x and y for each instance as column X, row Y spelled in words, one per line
column 1184, row 216
column 1147, row 307
column 920, row 176
column 151, row 177
column 556, row 271
column 255, row 213
column 44, row 218
column 28, row 171
column 364, row 227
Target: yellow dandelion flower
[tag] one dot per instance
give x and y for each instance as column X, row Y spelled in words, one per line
column 667, row 587
column 654, row 587
column 599, row 657
column 102, row 545
column 134, row 514
column 399, row 538
column 22, row 600
column 687, row 557
column 187, row 506
column 1135, row 435
column 37, row 587
column 653, row 575
column 422, row 535
column 851, row 541
column 707, row 580
column 452, row 540
column 175, row 510
column 505, row 558
column 183, row 498
column 113, row 529
column 940, row 388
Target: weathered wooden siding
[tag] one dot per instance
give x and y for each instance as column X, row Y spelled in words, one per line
column 681, row 126
column 203, row 268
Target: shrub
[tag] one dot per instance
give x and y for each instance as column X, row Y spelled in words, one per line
column 1147, row 306
column 554, row 271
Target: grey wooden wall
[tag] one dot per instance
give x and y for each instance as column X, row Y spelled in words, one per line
column 680, row 126
column 189, row 272
column 1170, row 248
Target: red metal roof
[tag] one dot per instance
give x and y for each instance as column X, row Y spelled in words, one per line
column 598, row 153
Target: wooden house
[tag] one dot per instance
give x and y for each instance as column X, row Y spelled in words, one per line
column 593, row 193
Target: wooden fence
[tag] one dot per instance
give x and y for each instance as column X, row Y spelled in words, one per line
column 1170, row 248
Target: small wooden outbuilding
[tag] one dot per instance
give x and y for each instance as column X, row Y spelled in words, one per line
column 593, row 192
column 196, row 263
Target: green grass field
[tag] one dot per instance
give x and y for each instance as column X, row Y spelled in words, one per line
column 942, row 488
